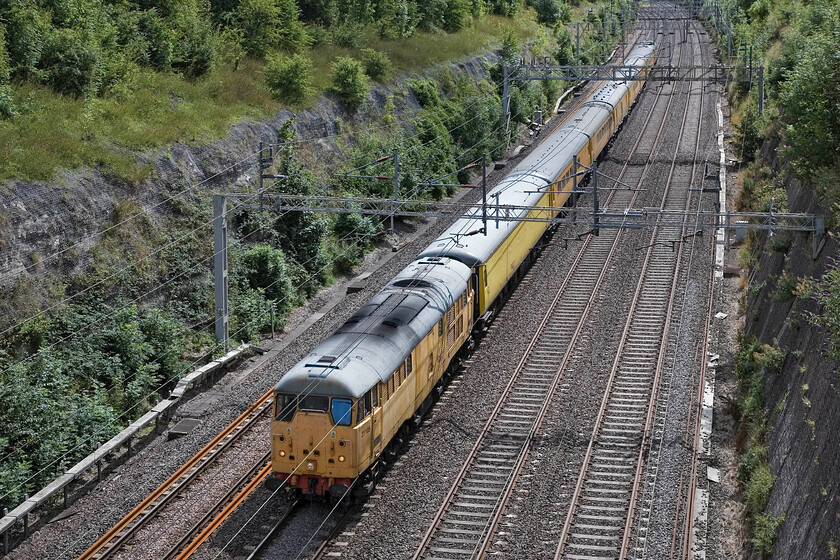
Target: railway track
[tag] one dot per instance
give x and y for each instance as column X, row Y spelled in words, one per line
column 121, row 539
column 472, row 508
column 600, row 521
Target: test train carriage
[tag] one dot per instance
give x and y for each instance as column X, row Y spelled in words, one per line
column 348, row 404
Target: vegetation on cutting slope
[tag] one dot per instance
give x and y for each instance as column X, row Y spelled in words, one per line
column 799, row 45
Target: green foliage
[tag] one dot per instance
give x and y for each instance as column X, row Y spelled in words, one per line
column 348, row 35
column 785, row 287
column 770, row 357
column 826, row 292
column 376, row 63
column 426, row 92
column 270, row 24
column 549, row 11
column 61, row 399
column 289, row 78
column 812, row 102
column 764, row 533
column 753, row 469
column 69, row 62
column 349, row 81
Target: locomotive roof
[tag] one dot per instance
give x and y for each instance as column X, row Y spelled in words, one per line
column 375, row 340
column 533, row 174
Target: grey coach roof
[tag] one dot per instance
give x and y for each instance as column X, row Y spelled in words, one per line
column 534, row 173
column 373, row 343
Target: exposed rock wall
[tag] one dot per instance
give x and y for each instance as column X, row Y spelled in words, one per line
column 804, row 438
column 38, row 219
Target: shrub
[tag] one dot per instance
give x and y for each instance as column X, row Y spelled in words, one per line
column 785, row 287
column 347, row 35
column 69, row 63
column 355, row 228
column 764, row 532
column 426, row 92
column 289, row 79
column 349, row 81
column 377, row 64
column 826, row 292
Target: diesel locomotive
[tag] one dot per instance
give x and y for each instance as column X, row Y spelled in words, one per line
column 343, row 410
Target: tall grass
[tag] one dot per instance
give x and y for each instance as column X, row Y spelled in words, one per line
column 159, row 108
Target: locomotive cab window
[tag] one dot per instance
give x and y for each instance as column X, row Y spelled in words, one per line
column 341, row 410
column 314, row 403
column 284, row 407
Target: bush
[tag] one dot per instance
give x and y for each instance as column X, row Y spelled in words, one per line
column 268, row 24
column 348, row 35
column 377, row 64
column 69, row 63
column 548, row 11
column 426, row 92
column 764, row 533
column 264, row 267
column 27, row 28
column 349, row 81
column 289, row 79
column 355, row 228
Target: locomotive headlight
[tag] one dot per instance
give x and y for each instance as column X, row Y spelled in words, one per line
column 282, row 453
column 310, row 466
column 341, row 458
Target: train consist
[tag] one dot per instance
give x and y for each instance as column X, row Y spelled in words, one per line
column 345, row 409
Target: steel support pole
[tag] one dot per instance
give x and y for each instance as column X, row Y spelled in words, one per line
column 595, row 230
column 484, row 192
column 577, row 46
column 506, row 101
column 220, row 269
column 760, row 90
column 396, row 188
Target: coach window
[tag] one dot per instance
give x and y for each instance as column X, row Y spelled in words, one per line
column 284, row 407
column 341, row 411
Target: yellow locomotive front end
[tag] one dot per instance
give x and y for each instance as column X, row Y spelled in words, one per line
column 313, row 442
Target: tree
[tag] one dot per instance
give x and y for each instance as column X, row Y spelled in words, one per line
column 349, row 81
column 811, row 100
column 268, row 24
column 7, row 102
column 69, row 62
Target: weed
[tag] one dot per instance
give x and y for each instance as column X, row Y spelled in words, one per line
column 764, row 532
column 786, row 288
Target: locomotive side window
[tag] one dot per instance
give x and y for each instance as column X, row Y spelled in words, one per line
column 440, row 328
column 368, row 406
column 284, row 407
column 374, row 397
column 316, row 403
column 341, row 411
column 408, row 364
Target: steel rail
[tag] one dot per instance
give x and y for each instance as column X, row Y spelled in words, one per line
column 582, row 478
column 228, row 505
column 110, row 542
